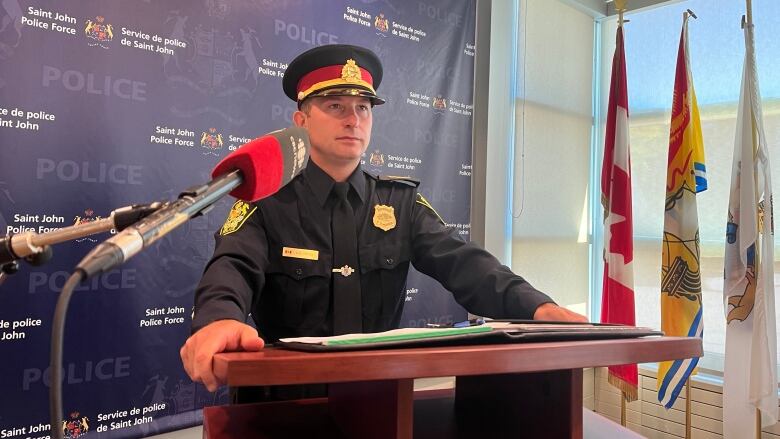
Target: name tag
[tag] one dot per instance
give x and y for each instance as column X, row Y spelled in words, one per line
column 300, row 253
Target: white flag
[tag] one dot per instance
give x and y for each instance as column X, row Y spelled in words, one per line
column 750, row 374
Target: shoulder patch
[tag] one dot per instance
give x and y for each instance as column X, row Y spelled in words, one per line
column 399, row 179
column 239, row 213
column 421, row 200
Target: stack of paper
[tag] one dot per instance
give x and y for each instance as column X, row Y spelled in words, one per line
column 388, row 336
column 510, row 326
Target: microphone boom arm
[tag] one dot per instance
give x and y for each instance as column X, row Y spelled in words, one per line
column 192, row 202
column 28, row 245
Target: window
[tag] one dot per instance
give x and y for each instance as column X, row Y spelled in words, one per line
column 554, row 121
column 716, row 46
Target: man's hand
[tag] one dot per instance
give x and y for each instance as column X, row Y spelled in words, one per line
column 551, row 311
column 220, row 336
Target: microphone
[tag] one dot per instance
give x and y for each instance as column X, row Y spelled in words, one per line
column 34, row 247
column 266, row 163
column 254, row 171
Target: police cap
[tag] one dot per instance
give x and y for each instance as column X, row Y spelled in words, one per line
column 334, row 70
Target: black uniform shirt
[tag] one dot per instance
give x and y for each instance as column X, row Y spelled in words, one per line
column 291, row 296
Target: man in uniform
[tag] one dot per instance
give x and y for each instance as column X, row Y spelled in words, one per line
column 329, row 253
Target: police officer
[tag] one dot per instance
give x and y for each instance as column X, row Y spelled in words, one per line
column 329, row 253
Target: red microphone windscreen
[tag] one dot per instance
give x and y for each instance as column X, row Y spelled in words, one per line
column 266, row 163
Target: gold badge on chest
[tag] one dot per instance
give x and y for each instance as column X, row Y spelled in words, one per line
column 384, row 217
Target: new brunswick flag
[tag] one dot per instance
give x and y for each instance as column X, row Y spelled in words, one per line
column 617, row 300
column 681, row 305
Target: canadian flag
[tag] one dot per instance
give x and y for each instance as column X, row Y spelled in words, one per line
column 617, row 301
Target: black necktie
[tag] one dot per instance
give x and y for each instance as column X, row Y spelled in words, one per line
column 347, row 307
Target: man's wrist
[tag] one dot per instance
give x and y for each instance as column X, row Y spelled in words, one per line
column 545, row 307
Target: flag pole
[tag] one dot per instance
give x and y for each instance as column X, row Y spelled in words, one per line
column 688, row 408
column 623, row 408
column 620, row 6
column 748, row 21
column 686, row 14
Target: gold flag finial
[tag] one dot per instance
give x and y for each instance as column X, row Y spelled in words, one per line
column 620, row 7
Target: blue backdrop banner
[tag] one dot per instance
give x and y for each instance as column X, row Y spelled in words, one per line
column 106, row 103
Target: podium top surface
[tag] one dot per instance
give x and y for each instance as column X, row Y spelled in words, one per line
column 276, row 366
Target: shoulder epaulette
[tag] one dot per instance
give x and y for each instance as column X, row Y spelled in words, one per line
column 422, row 201
column 398, row 179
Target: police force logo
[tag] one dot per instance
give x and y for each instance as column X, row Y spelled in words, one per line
column 75, row 426
column 99, row 32
column 212, row 141
column 381, row 23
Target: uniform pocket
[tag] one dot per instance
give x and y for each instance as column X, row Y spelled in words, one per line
column 383, row 256
column 383, row 267
column 297, row 285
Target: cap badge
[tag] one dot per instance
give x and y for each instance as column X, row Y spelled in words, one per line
column 384, row 217
column 351, row 72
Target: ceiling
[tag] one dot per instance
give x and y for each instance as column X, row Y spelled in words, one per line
column 606, row 8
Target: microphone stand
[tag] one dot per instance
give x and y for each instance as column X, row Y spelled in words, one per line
column 193, row 202
column 35, row 247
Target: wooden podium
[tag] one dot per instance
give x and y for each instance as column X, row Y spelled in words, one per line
column 504, row 390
